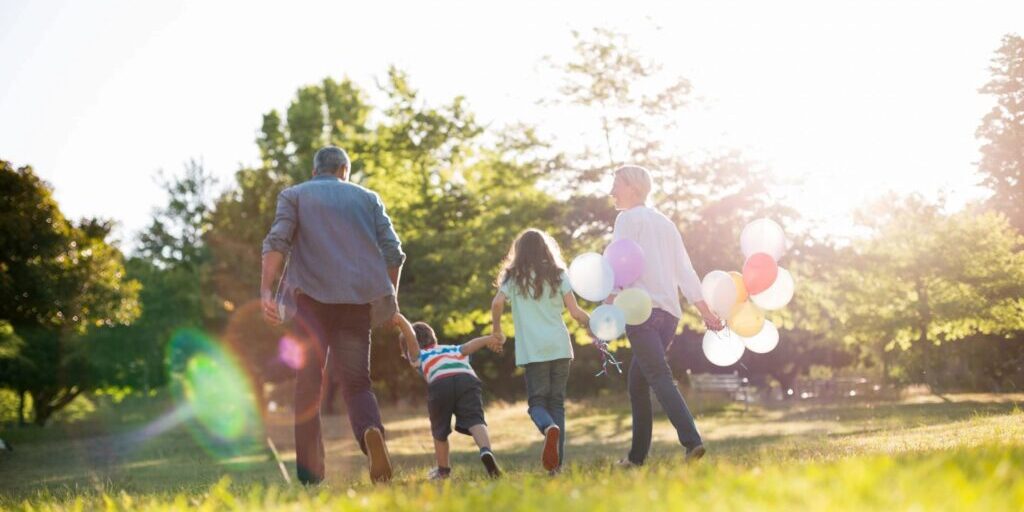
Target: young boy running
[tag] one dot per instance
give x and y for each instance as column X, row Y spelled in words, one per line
column 452, row 389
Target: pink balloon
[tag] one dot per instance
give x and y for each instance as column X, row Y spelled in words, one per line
column 627, row 260
column 759, row 272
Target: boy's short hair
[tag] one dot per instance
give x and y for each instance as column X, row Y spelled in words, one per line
column 425, row 336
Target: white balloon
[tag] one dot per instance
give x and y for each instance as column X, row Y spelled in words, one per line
column 591, row 276
column 607, row 322
column 778, row 294
column 764, row 341
column 719, row 292
column 763, row 235
column 723, row 348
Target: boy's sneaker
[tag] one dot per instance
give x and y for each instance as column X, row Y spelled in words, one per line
column 439, row 473
column 377, row 451
column 487, row 457
column 625, row 463
column 550, row 455
column 694, row 454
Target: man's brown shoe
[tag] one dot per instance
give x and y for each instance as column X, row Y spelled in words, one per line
column 694, row 454
column 377, row 451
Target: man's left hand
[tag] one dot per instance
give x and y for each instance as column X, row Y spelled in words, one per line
column 269, row 308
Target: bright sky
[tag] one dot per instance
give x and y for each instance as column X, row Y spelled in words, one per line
column 855, row 98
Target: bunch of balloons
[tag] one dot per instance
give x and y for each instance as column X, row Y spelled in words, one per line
column 594, row 276
column 742, row 298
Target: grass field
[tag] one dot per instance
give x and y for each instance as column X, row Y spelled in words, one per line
column 966, row 453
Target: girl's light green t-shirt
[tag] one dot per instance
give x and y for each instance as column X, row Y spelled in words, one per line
column 541, row 334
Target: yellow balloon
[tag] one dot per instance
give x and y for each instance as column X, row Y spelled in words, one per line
column 746, row 320
column 636, row 304
column 741, row 289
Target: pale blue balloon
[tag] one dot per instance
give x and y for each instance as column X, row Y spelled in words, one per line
column 608, row 322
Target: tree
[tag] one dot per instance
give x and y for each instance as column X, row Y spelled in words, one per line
column 634, row 109
column 15, row 368
column 924, row 278
column 175, row 244
column 456, row 200
column 626, row 93
column 710, row 198
column 65, row 279
column 175, row 235
column 172, row 267
column 1002, row 131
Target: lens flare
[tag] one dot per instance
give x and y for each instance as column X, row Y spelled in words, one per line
column 291, row 353
column 222, row 407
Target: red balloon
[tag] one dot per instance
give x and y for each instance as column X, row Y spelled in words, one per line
column 759, row 272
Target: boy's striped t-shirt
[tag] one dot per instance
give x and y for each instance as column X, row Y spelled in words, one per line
column 444, row 361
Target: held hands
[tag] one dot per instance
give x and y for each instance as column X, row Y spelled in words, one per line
column 269, row 308
column 497, row 344
column 397, row 319
column 397, row 322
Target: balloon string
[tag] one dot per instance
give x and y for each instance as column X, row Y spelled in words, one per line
column 606, row 357
column 725, row 333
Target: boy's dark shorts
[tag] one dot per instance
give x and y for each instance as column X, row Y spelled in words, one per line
column 459, row 394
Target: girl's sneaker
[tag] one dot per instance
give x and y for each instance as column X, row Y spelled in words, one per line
column 549, row 458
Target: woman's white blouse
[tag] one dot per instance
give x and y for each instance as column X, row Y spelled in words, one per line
column 667, row 265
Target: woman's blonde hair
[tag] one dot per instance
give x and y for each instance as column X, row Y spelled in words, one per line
column 637, row 177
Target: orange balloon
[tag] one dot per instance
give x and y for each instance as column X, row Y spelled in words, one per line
column 741, row 289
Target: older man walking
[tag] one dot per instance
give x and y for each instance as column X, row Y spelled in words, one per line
column 344, row 262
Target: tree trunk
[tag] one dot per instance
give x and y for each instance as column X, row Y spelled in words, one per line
column 42, row 411
column 44, row 407
column 21, row 407
column 927, row 347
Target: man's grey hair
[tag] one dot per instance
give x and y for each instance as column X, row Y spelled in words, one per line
column 330, row 160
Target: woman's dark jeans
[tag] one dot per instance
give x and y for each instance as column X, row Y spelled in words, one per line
column 545, row 390
column 649, row 370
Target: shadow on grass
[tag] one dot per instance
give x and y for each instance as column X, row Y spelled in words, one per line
column 907, row 414
column 64, row 461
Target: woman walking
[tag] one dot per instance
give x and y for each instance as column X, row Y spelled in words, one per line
column 668, row 271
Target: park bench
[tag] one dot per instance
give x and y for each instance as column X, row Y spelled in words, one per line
column 836, row 387
column 730, row 384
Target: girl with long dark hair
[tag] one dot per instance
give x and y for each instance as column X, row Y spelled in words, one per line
column 534, row 281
